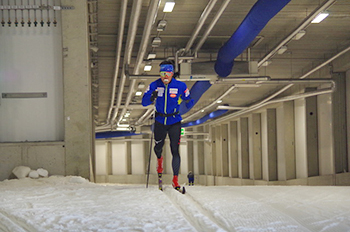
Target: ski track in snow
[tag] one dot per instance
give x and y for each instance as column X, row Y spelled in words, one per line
column 192, row 211
column 72, row 204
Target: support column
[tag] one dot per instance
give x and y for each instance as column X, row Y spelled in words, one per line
column 325, row 134
column 339, row 119
column 269, row 144
column 243, row 149
column 218, row 150
column 255, row 168
column 128, row 157
column 286, row 141
column 213, row 150
column 300, row 138
column 312, row 135
column 348, row 115
column 198, row 153
column 224, row 150
column 233, row 150
column 79, row 135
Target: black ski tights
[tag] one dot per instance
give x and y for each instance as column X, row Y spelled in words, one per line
column 174, row 132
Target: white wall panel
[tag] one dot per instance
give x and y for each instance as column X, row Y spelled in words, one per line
column 325, row 135
column 101, row 158
column 25, row 69
column 137, row 161
column 184, row 158
column 119, row 160
column 300, row 138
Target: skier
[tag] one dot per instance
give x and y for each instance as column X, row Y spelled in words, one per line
column 190, row 177
column 168, row 94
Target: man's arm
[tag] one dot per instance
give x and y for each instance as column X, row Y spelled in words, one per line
column 149, row 95
column 186, row 96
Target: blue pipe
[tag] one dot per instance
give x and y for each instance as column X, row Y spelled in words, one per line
column 196, row 91
column 257, row 18
column 113, row 134
column 212, row 115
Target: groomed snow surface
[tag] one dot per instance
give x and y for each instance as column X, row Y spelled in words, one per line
column 74, row 204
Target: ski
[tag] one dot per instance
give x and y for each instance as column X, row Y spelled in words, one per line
column 160, row 183
column 181, row 190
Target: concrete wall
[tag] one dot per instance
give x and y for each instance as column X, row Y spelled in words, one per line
column 64, row 118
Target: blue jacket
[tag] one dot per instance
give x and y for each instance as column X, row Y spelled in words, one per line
column 168, row 100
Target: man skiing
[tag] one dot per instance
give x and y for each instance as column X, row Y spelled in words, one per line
column 168, row 93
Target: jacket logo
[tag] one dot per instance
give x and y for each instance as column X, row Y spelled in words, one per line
column 160, row 91
column 173, row 90
column 173, row 95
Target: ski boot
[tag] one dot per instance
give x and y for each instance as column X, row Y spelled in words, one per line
column 160, row 171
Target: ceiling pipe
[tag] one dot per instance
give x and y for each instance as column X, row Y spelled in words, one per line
column 302, row 26
column 145, row 116
column 123, row 8
column 283, row 99
column 211, row 25
column 200, row 24
column 262, row 103
column 151, row 15
column 134, row 18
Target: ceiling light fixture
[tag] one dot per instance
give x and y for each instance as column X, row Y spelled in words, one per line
column 141, row 85
column 151, row 56
column 147, row 68
column 161, row 25
column 169, row 6
column 300, row 34
column 218, row 101
column 282, row 50
column 156, row 42
column 320, row 17
column 138, row 93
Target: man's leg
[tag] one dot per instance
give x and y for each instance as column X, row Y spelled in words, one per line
column 159, row 137
column 174, row 133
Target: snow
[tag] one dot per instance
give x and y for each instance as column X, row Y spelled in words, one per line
column 72, row 203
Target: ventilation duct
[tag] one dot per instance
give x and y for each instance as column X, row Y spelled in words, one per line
column 257, row 18
column 196, row 91
column 113, row 134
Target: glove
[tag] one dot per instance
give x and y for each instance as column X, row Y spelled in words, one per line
column 154, row 95
column 189, row 103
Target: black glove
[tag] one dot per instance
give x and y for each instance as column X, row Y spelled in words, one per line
column 154, row 95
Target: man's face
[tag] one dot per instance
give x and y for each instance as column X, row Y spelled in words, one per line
column 166, row 77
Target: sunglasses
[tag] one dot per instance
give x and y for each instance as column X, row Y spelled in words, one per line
column 166, row 74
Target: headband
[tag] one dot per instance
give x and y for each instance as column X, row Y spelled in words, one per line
column 166, row 68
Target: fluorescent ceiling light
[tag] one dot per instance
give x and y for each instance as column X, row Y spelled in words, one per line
column 151, row 56
column 319, row 18
column 218, row 101
column 141, row 85
column 169, row 6
column 300, row 34
column 123, row 125
column 282, row 50
column 123, row 129
column 156, row 42
column 161, row 25
column 147, row 68
column 138, row 93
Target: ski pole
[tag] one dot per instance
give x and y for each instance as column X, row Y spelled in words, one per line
column 150, row 148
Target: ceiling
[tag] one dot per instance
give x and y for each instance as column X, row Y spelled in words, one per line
column 120, row 42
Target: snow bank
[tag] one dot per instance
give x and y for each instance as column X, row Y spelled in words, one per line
column 24, row 171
